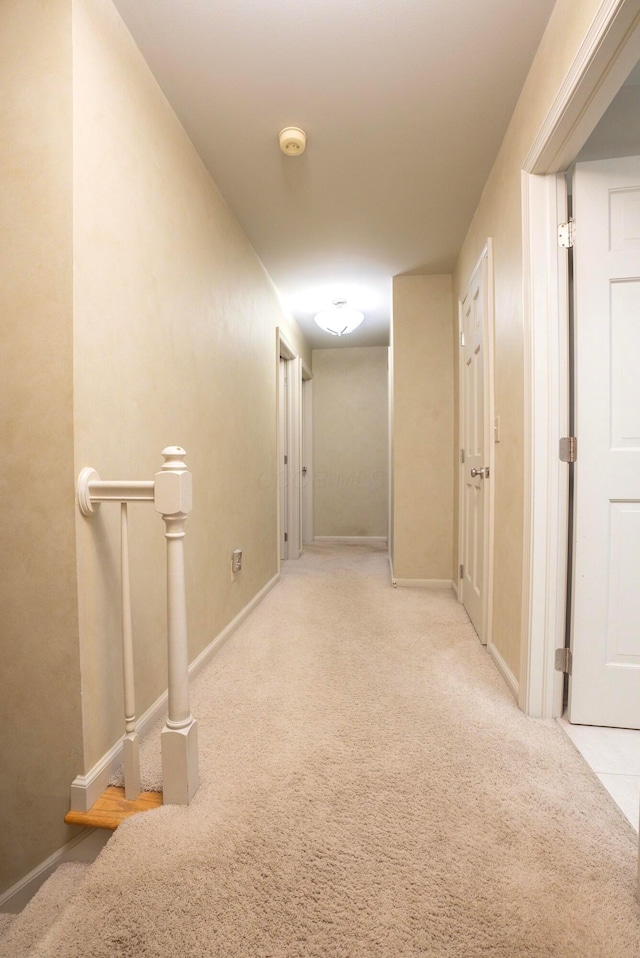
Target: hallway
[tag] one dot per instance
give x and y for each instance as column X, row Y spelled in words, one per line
column 369, row 788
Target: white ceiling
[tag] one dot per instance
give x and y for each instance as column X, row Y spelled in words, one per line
column 404, row 102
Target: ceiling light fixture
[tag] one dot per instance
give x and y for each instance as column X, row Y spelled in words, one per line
column 292, row 140
column 339, row 319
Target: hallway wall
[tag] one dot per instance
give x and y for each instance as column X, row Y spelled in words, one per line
column 422, row 415
column 139, row 317
column 174, row 343
column 350, row 441
column 41, row 748
column 499, row 215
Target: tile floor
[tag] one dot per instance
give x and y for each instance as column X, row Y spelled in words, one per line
column 614, row 755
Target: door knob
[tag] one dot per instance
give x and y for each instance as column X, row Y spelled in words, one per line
column 479, row 472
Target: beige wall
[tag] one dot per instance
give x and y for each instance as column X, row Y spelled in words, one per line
column 41, row 748
column 422, row 427
column 136, row 316
column 174, row 343
column 350, row 441
column 499, row 216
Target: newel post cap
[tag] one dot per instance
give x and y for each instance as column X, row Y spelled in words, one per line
column 173, row 491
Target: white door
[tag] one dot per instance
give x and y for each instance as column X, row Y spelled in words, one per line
column 283, row 458
column 475, row 473
column 307, row 461
column 604, row 688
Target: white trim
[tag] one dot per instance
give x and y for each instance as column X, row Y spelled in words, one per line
column 504, row 670
column 296, row 371
column 307, row 458
column 364, row 539
column 207, row 654
column 609, row 51
column 546, row 416
column 285, row 348
column 294, row 429
column 606, row 57
column 14, row 899
column 86, row 789
column 422, row 583
column 489, row 422
column 454, row 589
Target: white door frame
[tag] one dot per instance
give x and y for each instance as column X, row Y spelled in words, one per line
column 293, row 412
column 486, row 636
column 606, row 57
column 307, row 454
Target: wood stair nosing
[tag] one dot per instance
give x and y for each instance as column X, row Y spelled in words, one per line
column 112, row 808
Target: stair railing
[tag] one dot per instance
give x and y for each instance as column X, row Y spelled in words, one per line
column 171, row 493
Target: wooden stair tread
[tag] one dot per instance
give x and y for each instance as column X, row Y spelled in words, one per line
column 112, row 808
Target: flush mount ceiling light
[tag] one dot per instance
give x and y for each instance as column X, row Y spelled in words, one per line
column 340, row 319
column 292, row 141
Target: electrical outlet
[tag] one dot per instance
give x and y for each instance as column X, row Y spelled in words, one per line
column 236, row 561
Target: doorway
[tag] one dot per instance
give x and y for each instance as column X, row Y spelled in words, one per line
column 475, row 312
column 289, row 450
column 607, row 57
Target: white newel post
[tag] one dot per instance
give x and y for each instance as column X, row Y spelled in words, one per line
column 173, row 498
column 171, row 494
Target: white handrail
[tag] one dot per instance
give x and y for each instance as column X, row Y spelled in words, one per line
column 171, row 493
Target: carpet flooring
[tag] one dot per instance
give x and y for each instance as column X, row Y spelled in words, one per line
column 368, row 788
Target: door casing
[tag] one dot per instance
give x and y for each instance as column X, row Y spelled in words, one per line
column 485, row 261
column 608, row 53
column 292, row 500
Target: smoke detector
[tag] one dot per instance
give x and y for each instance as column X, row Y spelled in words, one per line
column 292, row 141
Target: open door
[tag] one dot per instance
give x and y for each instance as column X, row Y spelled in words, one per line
column 604, row 687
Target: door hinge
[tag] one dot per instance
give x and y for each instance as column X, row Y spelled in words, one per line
column 566, row 234
column 564, row 661
column 286, row 537
column 461, row 571
column 286, row 460
column 568, row 449
column 461, row 338
column 462, row 456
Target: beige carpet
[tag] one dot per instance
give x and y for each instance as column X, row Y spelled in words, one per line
column 23, row 932
column 369, row 788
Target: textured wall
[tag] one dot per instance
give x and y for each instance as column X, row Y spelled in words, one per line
column 39, row 678
column 499, row 215
column 175, row 343
column 350, row 441
column 136, row 315
column 423, row 480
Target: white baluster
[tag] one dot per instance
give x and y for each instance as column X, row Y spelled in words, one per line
column 171, row 494
column 130, row 745
column 173, row 498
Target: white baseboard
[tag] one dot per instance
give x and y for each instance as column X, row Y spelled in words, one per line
column 83, row 847
column 422, row 583
column 354, row 539
column 454, row 586
column 504, row 669
column 86, row 789
column 201, row 660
